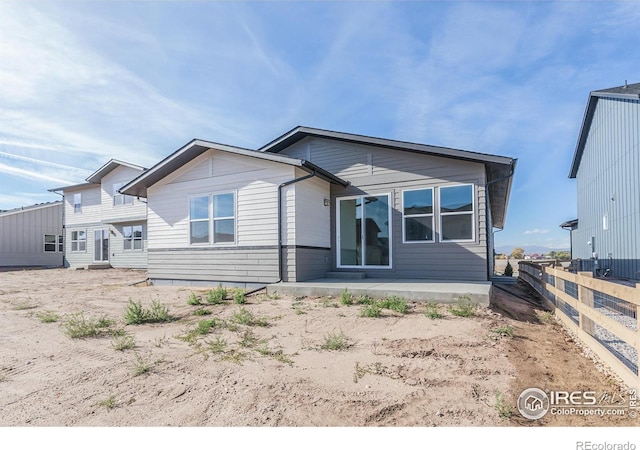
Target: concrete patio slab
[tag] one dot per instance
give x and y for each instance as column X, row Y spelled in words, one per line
column 414, row 290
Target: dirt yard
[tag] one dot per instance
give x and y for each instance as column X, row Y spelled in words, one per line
column 272, row 361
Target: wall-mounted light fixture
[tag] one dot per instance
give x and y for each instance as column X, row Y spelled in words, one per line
column 327, row 202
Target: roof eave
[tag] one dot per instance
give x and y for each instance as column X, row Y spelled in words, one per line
column 97, row 176
column 72, row 186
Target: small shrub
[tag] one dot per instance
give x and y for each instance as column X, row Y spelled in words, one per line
column 397, row 304
column 77, row 326
column 371, row 310
column 249, row 339
column 433, row 311
column 346, row 298
column 109, row 402
column 546, row 317
column 205, row 326
column 365, row 300
column 218, row 345
column 508, row 270
column 245, row 317
column 193, row 300
column 463, row 308
column 503, row 408
column 158, row 312
column 239, row 297
column 504, row 330
column 335, row 341
column 122, row 343
column 140, row 366
column 47, row 317
column 217, row 295
column 134, row 314
column 201, row 312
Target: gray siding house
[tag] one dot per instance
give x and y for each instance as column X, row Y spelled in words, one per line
column 606, row 165
column 103, row 227
column 32, row 236
column 314, row 202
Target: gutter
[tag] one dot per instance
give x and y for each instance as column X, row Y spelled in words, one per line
column 280, row 246
column 512, row 169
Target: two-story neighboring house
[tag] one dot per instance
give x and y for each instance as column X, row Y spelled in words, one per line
column 606, row 165
column 101, row 226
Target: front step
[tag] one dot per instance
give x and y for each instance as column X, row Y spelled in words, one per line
column 346, row 275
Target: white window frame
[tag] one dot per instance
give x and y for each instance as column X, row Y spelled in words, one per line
column 60, row 243
column 211, row 219
column 132, row 240
column 121, row 199
column 77, row 203
column 433, row 213
column 54, row 243
column 78, row 241
column 471, row 213
column 339, row 264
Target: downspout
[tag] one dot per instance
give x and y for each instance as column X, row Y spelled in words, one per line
column 64, row 233
column 486, row 207
column 280, row 246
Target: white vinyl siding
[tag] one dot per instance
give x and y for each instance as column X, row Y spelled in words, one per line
column 121, row 199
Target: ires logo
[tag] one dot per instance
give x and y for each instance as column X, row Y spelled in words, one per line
column 534, row 403
column 575, row 398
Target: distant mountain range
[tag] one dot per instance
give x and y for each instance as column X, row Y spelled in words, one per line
column 529, row 249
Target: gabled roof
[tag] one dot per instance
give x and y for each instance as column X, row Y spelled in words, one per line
column 97, row 176
column 30, row 208
column 196, row 147
column 73, row 186
column 626, row 92
column 499, row 168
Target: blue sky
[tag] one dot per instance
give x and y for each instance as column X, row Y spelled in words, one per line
column 83, row 82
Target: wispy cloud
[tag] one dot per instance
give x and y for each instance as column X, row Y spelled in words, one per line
column 536, row 231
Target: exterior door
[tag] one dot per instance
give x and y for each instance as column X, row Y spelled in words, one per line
column 364, row 230
column 101, row 245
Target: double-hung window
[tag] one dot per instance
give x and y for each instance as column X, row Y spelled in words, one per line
column 417, row 210
column 50, row 243
column 79, row 241
column 212, row 219
column 121, row 199
column 77, row 202
column 456, row 213
column 132, row 237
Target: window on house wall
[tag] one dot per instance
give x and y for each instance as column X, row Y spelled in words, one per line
column 121, row 199
column 77, row 202
column 199, row 220
column 50, row 243
column 79, row 241
column 417, row 210
column 132, row 237
column 212, row 219
column 60, row 243
column 224, row 222
column 456, row 213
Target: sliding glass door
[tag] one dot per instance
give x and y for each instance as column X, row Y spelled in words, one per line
column 364, row 228
column 101, row 245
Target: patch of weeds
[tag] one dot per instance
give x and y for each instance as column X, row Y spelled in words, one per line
column 22, row 305
column 140, row 366
column 298, row 310
column 365, row 300
column 433, row 311
column 503, row 408
column 245, row 317
column 249, row 339
column 335, row 341
column 201, row 312
column 393, row 303
column 118, row 332
column 359, row 372
column 158, row 312
column 205, row 326
column 218, row 345
column 273, row 296
column 109, row 402
column 122, row 343
column 193, row 300
column 217, row 296
column 235, row 356
column 239, row 297
column 346, row 298
column 546, row 317
column 371, row 310
column 77, row 326
column 504, row 330
column 134, row 314
column 327, row 303
column 159, row 342
column 47, row 317
column 464, row 307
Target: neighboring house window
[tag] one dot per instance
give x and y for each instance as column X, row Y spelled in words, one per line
column 121, row 199
column 417, row 210
column 77, row 203
column 50, row 243
column 60, row 244
column 456, row 213
column 79, row 241
column 224, row 222
column 132, row 237
column 212, row 219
